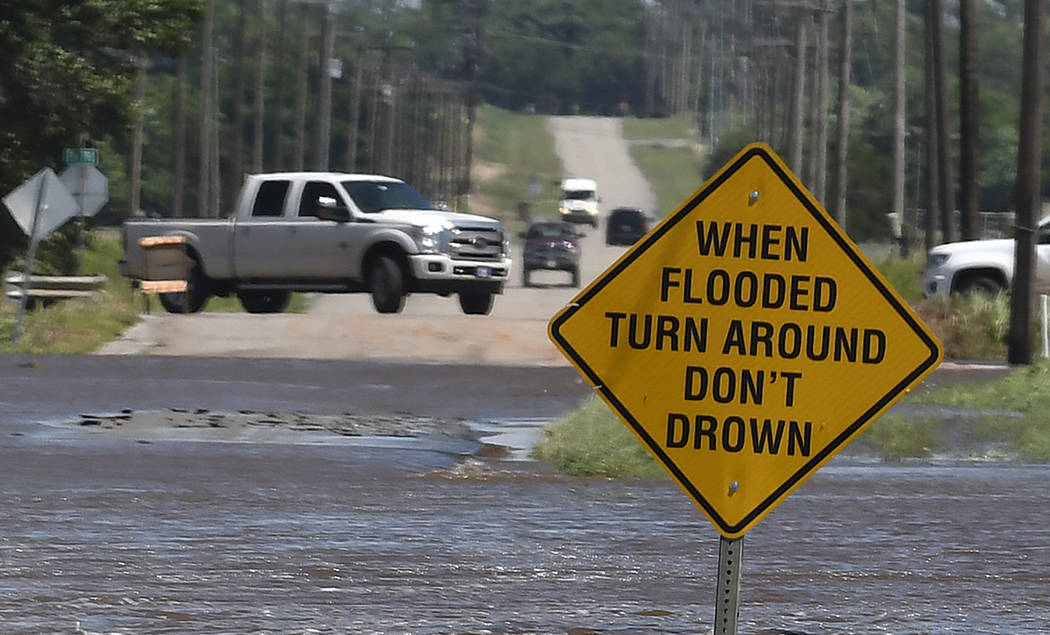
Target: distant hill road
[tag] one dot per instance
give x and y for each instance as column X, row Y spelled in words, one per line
column 431, row 328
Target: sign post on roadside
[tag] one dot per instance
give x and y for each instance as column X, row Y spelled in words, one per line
column 39, row 206
column 90, row 188
column 745, row 341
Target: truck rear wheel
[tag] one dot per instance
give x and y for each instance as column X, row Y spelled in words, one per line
column 198, row 290
column 264, row 301
column 475, row 302
column 386, row 283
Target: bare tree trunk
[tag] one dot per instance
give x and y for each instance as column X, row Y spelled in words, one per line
column 179, row 172
column 324, row 92
column 141, row 63
column 820, row 153
column 215, row 200
column 796, row 130
column 481, row 8
column 372, row 130
column 944, row 152
column 698, row 75
column 354, row 116
column 931, row 200
column 650, row 71
column 279, row 64
column 258, row 106
column 842, row 142
column 901, row 228
column 1029, row 177
column 237, row 150
column 968, row 105
column 204, row 173
column 299, row 159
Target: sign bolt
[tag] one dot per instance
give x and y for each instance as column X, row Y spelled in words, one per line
column 753, row 196
column 733, row 487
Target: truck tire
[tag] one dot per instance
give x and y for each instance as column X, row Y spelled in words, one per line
column 264, row 301
column 198, row 290
column 980, row 284
column 525, row 278
column 386, row 283
column 576, row 277
column 475, row 302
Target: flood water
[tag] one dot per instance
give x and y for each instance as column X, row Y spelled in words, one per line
column 125, row 537
column 120, row 535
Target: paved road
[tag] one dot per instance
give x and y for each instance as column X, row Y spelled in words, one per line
column 431, row 328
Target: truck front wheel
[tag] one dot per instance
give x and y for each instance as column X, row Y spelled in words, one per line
column 475, row 302
column 386, row 283
column 982, row 284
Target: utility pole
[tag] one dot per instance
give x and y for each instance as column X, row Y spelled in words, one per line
column 259, row 103
column 480, row 10
column 901, row 228
column 324, row 97
column 1029, row 154
column 842, row 141
column 935, row 9
column 968, row 104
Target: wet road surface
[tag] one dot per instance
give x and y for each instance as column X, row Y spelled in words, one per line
column 112, row 534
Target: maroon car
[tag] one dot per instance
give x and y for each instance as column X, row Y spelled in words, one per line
column 551, row 245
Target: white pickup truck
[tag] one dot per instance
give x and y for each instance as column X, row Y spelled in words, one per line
column 333, row 233
column 983, row 266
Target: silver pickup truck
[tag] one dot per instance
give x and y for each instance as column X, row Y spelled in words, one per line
column 332, row 233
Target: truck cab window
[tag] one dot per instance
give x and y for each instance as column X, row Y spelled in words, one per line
column 312, row 192
column 376, row 196
column 270, row 199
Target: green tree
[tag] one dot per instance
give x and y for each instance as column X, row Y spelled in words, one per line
column 65, row 69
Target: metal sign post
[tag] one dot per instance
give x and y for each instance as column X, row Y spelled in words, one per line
column 34, row 240
column 727, row 596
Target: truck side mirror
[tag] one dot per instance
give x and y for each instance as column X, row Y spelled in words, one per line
column 329, row 208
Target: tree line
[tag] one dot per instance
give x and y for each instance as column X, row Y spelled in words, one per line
column 864, row 99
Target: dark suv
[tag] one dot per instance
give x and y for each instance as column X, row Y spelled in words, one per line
column 625, row 226
column 551, row 245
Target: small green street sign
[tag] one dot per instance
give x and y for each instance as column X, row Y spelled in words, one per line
column 87, row 156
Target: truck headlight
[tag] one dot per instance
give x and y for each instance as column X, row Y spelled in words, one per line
column 430, row 239
column 936, row 260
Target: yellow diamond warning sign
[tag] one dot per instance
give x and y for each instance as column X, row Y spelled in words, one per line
column 745, row 340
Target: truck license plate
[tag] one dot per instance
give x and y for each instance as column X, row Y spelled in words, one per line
column 483, row 272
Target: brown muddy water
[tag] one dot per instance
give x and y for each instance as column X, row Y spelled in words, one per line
column 335, row 529
column 120, row 536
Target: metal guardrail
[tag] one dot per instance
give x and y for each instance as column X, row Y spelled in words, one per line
column 49, row 288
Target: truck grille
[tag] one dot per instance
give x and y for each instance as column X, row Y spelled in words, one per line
column 476, row 243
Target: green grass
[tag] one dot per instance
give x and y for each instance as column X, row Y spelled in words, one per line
column 1008, row 420
column 665, row 128
column 674, row 174
column 904, row 275
column 83, row 325
column 513, row 150
column 674, row 171
column 80, row 325
column 592, row 441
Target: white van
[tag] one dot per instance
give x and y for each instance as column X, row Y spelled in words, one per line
column 579, row 201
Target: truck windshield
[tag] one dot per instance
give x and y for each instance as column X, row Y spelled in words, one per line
column 578, row 195
column 376, row 196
